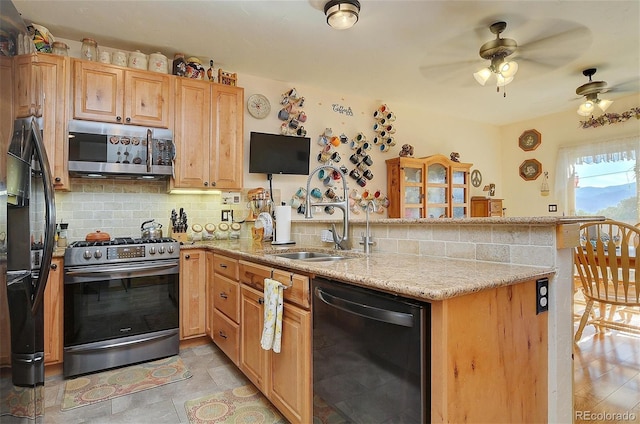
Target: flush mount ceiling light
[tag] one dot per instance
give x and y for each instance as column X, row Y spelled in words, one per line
column 497, row 51
column 590, row 91
column 342, row 14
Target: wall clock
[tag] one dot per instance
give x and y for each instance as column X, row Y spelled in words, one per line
column 258, row 106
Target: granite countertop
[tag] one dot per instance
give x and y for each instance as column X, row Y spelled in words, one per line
column 418, row 277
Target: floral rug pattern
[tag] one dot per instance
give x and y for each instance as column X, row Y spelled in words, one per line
column 93, row 388
column 240, row 405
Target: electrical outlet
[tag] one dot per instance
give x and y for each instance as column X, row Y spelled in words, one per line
column 231, row 198
column 553, row 208
column 542, row 295
column 227, row 215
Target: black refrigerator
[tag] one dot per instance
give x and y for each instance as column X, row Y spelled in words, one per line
column 27, row 229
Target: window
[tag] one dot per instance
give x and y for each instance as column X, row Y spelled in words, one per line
column 600, row 179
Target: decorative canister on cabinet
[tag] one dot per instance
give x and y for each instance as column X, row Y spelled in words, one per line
column 195, row 69
column 119, row 58
column 158, row 63
column 179, row 65
column 60, row 48
column 138, row 60
column 89, row 50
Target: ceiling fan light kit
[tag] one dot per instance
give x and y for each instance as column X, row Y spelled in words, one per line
column 497, row 51
column 342, row 14
column 590, row 91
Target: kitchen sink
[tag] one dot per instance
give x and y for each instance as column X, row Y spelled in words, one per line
column 312, row 256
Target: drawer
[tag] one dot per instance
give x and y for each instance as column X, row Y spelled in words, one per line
column 226, row 296
column 496, row 207
column 253, row 275
column 225, row 266
column 226, row 336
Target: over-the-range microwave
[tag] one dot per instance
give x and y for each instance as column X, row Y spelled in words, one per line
column 98, row 149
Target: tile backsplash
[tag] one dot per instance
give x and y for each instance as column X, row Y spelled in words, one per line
column 119, row 207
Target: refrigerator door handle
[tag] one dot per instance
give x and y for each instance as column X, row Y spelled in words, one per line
column 50, row 217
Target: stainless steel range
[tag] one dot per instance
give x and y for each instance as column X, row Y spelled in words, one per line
column 121, row 303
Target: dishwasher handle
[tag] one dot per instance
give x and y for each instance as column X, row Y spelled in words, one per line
column 366, row 311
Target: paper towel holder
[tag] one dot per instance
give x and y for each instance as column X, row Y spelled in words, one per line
column 276, row 242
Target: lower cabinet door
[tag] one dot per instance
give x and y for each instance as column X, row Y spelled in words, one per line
column 225, row 335
column 290, row 382
column 253, row 358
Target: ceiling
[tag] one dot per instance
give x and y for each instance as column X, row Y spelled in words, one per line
column 413, row 52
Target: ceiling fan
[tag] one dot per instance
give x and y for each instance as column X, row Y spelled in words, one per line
column 543, row 46
column 497, row 51
column 590, row 91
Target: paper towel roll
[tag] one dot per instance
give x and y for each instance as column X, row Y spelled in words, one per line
column 283, row 223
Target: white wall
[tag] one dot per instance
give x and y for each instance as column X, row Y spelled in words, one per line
column 523, row 198
column 429, row 133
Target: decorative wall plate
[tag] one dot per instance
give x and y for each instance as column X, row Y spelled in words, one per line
column 530, row 140
column 258, row 106
column 530, row 169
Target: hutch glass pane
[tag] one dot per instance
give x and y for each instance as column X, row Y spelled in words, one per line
column 437, row 174
column 412, row 195
column 458, row 177
column 458, row 194
column 436, row 213
column 436, row 195
column 412, row 175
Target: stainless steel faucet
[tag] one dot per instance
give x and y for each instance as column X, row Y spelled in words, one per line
column 367, row 240
column 342, row 242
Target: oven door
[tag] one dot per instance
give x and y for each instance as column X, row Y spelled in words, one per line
column 118, row 313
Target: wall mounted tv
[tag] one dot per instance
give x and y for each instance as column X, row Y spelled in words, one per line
column 279, row 154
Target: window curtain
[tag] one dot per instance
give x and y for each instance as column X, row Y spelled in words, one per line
column 595, row 152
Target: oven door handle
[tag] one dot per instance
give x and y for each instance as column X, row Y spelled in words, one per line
column 366, row 311
column 141, row 269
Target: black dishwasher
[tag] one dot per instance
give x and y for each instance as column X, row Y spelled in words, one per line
column 371, row 356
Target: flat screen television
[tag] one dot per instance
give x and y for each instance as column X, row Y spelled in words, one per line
column 279, row 154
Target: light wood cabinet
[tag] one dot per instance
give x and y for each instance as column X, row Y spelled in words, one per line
column 428, row 187
column 208, row 135
column 192, row 293
column 42, row 90
column 285, row 377
column 486, row 207
column 53, row 310
column 224, row 300
column 109, row 93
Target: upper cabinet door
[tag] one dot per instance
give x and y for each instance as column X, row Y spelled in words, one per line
column 226, row 136
column 98, row 92
column 112, row 94
column 147, row 99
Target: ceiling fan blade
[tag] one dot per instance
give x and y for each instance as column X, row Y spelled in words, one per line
column 557, row 47
column 451, row 72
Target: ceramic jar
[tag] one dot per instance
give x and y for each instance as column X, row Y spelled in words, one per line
column 119, row 58
column 138, row 60
column 158, row 63
column 195, row 69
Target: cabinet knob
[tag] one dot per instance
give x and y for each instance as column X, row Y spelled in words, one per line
column 128, row 119
column 261, row 301
column 187, row 256
column 58, row 179
column 119, row 118
column 206, row 184
column 213, row 184
column 54, row 266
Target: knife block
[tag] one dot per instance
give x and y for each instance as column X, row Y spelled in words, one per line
column 181, row 237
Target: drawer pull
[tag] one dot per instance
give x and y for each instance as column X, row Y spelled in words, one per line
column 221, row 334
column 223, row 295
column 223, row 266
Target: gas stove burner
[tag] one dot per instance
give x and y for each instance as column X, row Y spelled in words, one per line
column 119, row 241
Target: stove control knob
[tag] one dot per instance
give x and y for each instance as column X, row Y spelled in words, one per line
column 152, row 250
column 161, row 249
column 97, row 254
column 87, row 254
column 170, row 249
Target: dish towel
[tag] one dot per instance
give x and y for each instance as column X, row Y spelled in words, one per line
column 272, row 330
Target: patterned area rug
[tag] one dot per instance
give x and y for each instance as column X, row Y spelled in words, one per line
column 107, row 385
column 240, row 405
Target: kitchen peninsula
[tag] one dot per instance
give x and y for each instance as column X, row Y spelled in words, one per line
column 493, row 358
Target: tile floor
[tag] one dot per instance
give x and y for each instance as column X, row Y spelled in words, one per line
column 212, row 372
